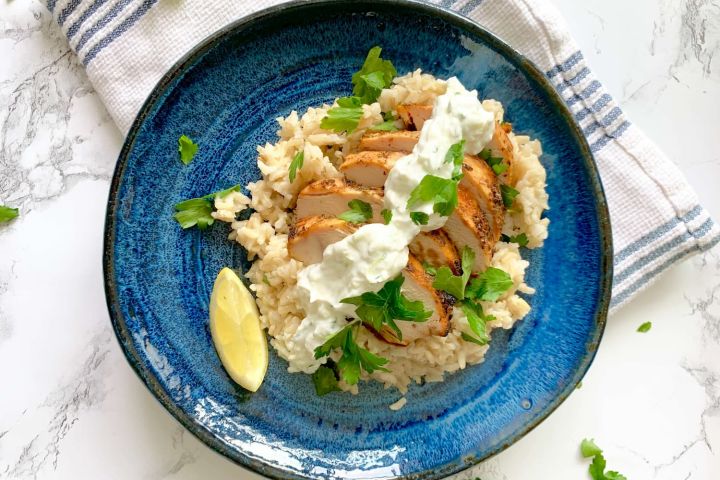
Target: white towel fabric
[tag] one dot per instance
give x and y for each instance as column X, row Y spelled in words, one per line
column 127, row 45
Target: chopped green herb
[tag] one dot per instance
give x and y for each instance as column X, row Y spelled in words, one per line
column 387, row 215
column 265, row 279
column 597, row 467
column 197, row 211
column 644, row 327
column 499, row 168
column 429, row 269
column 508, row 195
column 442, row 192
column 485, row 154
column 295, row 165
column 360, row 212
column 456, row 154
column 455, row 284
column 388, row 305
column 521, row 239
column 7, row 213
column 477, row 320
column 354, row 357
column 389, row 125
column 375, row 74
column 325, row 381
column 419, row 218
column 496, row 163
column 489, row 285
column 187, row 149
column 345, row 117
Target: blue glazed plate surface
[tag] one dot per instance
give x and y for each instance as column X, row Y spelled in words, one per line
column 225, row 95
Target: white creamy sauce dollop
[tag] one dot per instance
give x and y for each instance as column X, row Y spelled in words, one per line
column 376, row 253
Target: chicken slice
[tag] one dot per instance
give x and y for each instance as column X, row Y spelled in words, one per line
column 310, row 235
column 483, row 185
column 414, row 115
column 369, row 168
column 502, row 146
column 418, row 286
column 398, row 141
column 331, row 197
column 468, row 226
column 436, row 249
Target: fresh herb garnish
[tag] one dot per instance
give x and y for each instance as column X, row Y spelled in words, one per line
column 388, row 305
column 429, row 269
column 368, row 82
column 387, row 215
column 354, row 357
column 375, row 74
column 455, row 284
column 508, row 195
column 597, row 467
column 325, row 380
column 419, row 218
column 477, row 320
column 295, row 165
column 197, row 211
column 489, row 285
column 521, row 239
column 496, row 163
column 388, row 125
column 644, row 327
column 360, row 212
column 7, row 213
column 265, row 279
column 442, row 192
column 187, row 149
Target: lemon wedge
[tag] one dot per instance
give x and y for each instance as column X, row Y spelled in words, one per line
column 236, row 332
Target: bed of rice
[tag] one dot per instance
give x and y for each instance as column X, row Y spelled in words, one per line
column 273, row 274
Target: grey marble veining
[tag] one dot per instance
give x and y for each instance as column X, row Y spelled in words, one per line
column 70, row 406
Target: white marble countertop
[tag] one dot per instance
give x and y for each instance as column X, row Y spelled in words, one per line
column 70, row 406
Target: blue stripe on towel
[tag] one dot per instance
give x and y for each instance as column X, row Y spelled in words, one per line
column 122, row 28
column 625, row 294
column 585, row 94
column 75, row 27
column 566, row 65
column 109, row 17
column 470, row 6
column 596, row 107
column 67, row 11
column 51, row 5
column 565, row 84
column 655, row 234
column 608, row 137
column 604, row 122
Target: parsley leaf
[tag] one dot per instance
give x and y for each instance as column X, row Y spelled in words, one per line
column 645, row 327
column 477, row 321
column 489, row 285
column 588, row 448
column 388, row 305
column 455, row 284
column 442, row 192
column 388, row 125
column 187, row 149
column 419, row 218
column 497, row 164
column 508, row 195
column 456, row 154
column 597, row 467
column 429, row 269
column 197, row 211
column 359, row 212
column 7, row 213
column 295, row 165
column 375, row 74
column 342, row 119
column 387, row 215
column 521, row 239
column 325, row 381
column 354, row 357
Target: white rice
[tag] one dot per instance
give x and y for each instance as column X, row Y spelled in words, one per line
column 273, row 273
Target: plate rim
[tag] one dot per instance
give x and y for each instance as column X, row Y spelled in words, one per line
column 124, row 337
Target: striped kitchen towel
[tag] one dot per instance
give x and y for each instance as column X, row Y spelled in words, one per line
column 127, row 45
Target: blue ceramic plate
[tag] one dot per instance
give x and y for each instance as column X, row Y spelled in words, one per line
column 226, row 95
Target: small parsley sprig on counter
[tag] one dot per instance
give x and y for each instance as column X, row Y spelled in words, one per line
column 375, row 310
column 441, row 192
column 7, row 213
column 198, row 211
column 645, row 327
column 295, row 165
column 375, row 74
column 187, row 149
column 588, row 449
column 360, row 212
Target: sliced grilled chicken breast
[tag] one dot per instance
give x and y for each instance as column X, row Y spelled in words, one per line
column 331, row 196
column 310, row 235
column 468, row 226
column 414, row 115
column 502, row 146
column 437, row 250
column 418, row 286
column 399, row 141
column 369, row 168
column 483, row 185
